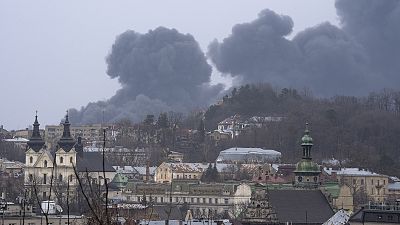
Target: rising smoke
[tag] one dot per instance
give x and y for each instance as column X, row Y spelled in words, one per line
column 165, row 70
column 353, row 60
column 160, row 71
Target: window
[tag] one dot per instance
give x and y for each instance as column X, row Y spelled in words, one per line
column 45, row 163
column 31, row 159
column 216, row 200
column 190, row 176
column 44, row 194
column 61, row 159
column 354, row 181
column 192, row 200
column 70, row 178
column 378, row 182
column 44, row 178
column 176, row 199
column 226, row 201
column 60, row 177
column 384, row 182
column 362, row 181
column 372, row 182
column 162, row 199
column 71, row 160
column 30, row 177
column 210, row 200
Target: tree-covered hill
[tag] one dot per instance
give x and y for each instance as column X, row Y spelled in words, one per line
column 363, row 130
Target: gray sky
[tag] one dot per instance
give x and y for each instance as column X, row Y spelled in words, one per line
column 52, row 53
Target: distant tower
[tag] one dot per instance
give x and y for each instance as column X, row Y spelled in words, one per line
column 307, row 172
column 35, row 141
column 66, row 142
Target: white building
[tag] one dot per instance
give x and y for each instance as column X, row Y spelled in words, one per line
column 249, row 155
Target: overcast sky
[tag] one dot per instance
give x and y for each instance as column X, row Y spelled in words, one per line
column 52, row 53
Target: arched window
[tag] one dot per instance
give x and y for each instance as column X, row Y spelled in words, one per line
column 45, row 163
column 61, row 159
column 71, row 160
column 31, row 159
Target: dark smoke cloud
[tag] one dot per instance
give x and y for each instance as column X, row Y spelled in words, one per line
column 165, row 70
column 375, row 24
column 161, row 70
column 360, row 57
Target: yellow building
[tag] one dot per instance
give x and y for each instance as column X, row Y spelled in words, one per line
column 359, row 187
column 167, row 172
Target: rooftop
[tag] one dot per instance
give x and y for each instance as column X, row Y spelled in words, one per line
column 238, row 150
column 351, row 172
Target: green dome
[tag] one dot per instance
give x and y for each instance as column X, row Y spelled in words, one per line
column 306, row 165
column 306, row 139
column 120, row 180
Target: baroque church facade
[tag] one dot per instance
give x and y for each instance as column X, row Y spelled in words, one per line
column 51, row 174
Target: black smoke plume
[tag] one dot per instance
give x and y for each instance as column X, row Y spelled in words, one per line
column 159, row 71
column 361, row 56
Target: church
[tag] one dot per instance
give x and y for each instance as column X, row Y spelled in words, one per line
column 52, row 174
column 303, row 203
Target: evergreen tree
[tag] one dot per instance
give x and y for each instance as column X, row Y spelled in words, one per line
column 201, row 131
column 162, row 121
column 149, row 120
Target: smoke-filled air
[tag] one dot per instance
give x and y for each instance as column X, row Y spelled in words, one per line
column 160, row 71
column 165, row 70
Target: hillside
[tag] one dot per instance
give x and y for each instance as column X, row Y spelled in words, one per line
column 364, row 131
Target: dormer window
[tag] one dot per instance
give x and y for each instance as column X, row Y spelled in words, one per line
column 71, row 160
column 61, row 159
column 31, row 159
column 45, row 163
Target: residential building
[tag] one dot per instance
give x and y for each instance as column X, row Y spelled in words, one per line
column 138, row 173
column 394, row 192
column 90, row 134
column 360, row 186
column 13, row 168
column 175, row 156
column 204, row 200
column 234, row 125
column 167, row 172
